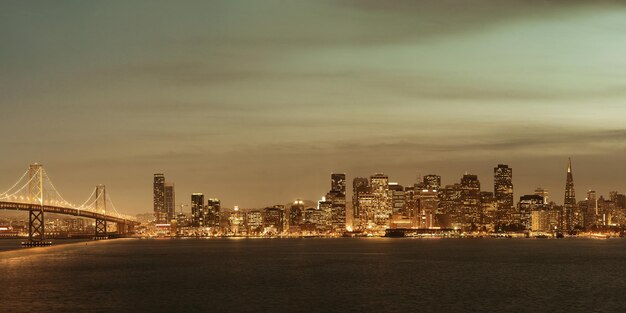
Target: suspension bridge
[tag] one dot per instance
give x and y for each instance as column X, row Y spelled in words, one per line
column 35, row 193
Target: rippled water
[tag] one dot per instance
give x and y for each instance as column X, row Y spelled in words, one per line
column 318, row 275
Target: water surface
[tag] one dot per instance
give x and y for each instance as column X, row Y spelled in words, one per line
column 318, row 275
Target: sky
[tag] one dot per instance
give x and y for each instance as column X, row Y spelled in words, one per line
column 257, row 102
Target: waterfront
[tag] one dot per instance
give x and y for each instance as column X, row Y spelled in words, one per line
column 316, row 275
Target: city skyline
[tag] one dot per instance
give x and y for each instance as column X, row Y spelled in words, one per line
column 268, row 98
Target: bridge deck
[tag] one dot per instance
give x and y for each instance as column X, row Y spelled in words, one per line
column 17, row 206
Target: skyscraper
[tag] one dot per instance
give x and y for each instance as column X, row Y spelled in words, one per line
column 526, row 205
column 213, row 213
column 337, row 196
column 360, row 185
column 379, row 184
column 197, row 209
column 296, row 215
column 470, row 198
column 398, row 198
column 569, row 206
column 158, row 192
column 170, row 201
column 503, row 187
column 338, row 184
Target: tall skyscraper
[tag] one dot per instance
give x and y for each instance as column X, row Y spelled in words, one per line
column 197, row 209
column 503, row 187
column 379, row 184
column 398, row 198
column 213, row 213
column 296, row 215
column 337, row 196
column 569, row 206
column 158, row 192
column 470, row 197
column 360, row 185
column 338, row 184
column 170, row 201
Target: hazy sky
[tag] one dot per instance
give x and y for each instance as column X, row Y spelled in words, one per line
column 257, row 102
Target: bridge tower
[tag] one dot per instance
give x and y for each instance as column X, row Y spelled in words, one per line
column 36, row 224
column 101, row 208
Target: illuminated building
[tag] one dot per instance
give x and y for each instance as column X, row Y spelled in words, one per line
column 182, row 220
column 296, row 216
column 450, row 214
column 503, row 188
column 398, row 199
column 589, row 209
column 337, row 197
column 273, row 220
column 368, row 210
column 526, row 205
column 569, row 206
column 379, row 184
column 489, row 209
column 432, row 182
column 427, row 202
column 158, row 192
column 470, row 198
column 543, row 193
column 236, row 221
column 212, row 213
column 163, row 200
column 197, row 210
column 170, row 201
column 325, row 208
column 313, row 220
column 360, row 185
column 544, row 220
column 254, row 222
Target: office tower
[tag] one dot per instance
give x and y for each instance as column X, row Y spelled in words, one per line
column 489, row 208
column 432, row 182
column 569, row 205
column 398, row 198
column 325, row 208
column 338, row 185
column 337, row 196
column 273, row 220
column 212, row 213
column 360, row 185
column 158, row 193
column 411, row 206
column 254, row 222
column 296, row 215
column 527, row 204
column 379, row 184
column 170, row 201
column 450, row 214
column 539, row 191
column 426, row 201
column 367, row 207
column 197, row 210
column 503, row 187
column 470, row 199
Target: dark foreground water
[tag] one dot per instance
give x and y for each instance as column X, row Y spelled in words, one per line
column 318, row 275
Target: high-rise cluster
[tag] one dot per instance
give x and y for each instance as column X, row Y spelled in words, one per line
column 379, row 204
column 164, row 199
